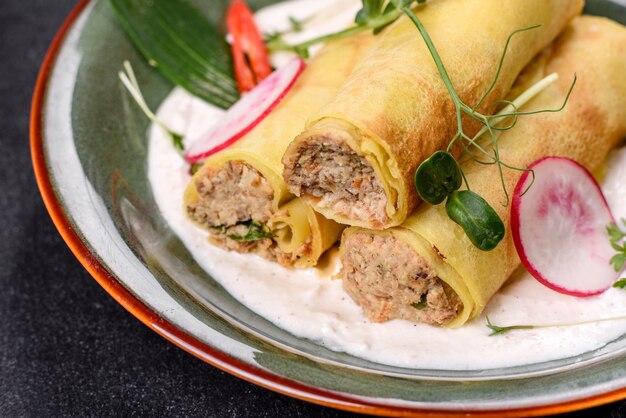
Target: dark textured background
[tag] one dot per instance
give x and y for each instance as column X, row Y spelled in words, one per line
column 66, row 347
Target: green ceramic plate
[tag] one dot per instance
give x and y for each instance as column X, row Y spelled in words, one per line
column 89, row 150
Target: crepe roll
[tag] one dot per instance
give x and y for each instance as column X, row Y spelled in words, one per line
column 356, row 159
column 239, row 194
column 427, row 270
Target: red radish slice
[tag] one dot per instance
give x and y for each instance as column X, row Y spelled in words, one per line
column 559, row 228
column 244, row 115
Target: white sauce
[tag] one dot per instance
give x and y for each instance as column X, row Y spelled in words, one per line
column 310, row 305
column 318, row 17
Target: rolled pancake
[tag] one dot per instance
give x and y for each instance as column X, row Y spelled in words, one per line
column 428, row 253
column 356, row 160
column 239, row 194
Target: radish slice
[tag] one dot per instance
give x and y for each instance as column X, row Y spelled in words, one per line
column 244, row 115
column 559, row 228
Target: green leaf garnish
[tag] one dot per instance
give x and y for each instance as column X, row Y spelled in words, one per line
column 620, row 284
column 296, row 25
column 183, row 45
column 256, row 232
column 618, row 261
column 422, row 304
column 481, row 223
column 615, row 233
column 616, row 237
column 193, row 169
column 437, row 177
column 371, row 10
column 477, row 218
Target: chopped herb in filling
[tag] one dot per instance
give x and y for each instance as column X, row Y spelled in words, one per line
column 421, row 304
column 246, row 231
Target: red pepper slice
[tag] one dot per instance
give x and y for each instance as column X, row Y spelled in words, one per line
column 250, row 56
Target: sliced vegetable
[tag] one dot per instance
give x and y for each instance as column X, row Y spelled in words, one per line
column 559, row 228
column 247, row 112
column 252, row 64
column 183, row 45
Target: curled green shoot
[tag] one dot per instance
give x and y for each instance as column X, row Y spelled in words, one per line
column 473, row 213
column 501, row 64
column 537, row 112
column 503, row 115
column 129, row 80
column 508, row 112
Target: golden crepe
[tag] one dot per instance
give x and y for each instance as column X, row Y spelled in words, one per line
column 356, row 160
column 427, row 270
column 239, row 194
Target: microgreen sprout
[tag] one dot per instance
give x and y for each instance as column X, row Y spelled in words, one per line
column 499, row 330
column 129, row 80
column 618, row 261
column 481, row 223
column 374, row 16
column 478, row 219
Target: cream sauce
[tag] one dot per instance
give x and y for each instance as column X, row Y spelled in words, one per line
column 309, row 304
column 318, row 17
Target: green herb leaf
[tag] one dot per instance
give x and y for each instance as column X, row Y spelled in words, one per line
column 371, row 9
column 480, row 222
column 256, row 231
column 620, row 284
column 177, row 141
column 618, row 261
column 616, row 237
column 302, row 52
column 617, row 247
column 184, row 46
column 194, row 168
column 615, row 233
column 437, row 177
column 296, row 25
column 422, row 304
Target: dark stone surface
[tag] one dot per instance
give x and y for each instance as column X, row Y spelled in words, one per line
column 66, row 347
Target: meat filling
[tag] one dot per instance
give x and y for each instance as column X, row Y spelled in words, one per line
column 390, row 281
column 337, row 178
column 235, row 203
column 230, row 195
